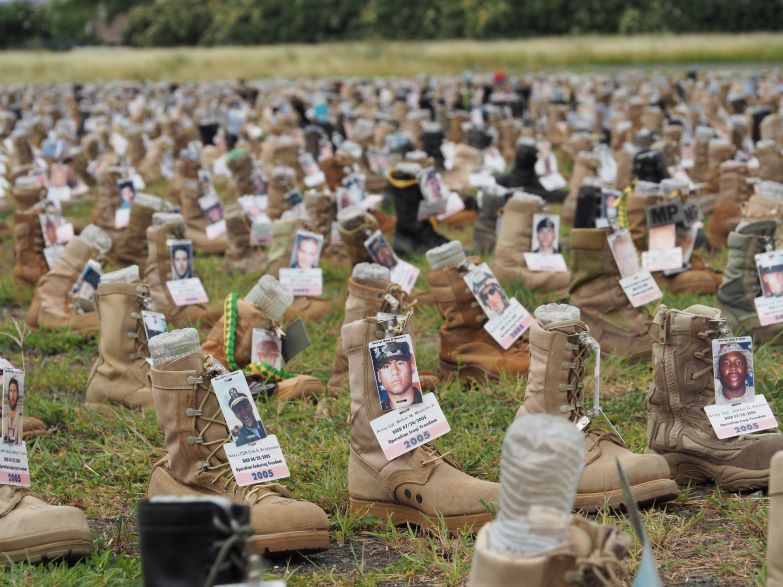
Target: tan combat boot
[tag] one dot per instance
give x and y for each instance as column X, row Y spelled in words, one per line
column 240, row 163
column 247, row 317
column 515, row 239
column 467, row 350
column 131, row 247
column 741, row 286
column 119, row 376
column 770, row 159
column 775, row 527
column 595, row 289
column 733, row 193
column 196, row 465
column 281, row 181
column 701, row 140
column 52, row 305
column 107, row 200
column 415, row 488
column 718, row 151
column 157, row 272
column 766, row 204
column 356, row 226
column 677, row 426
column 313, row 308
column 240, row 254
column 196, row 222
column 34, row 531
column 558, row 353
column 29, row 260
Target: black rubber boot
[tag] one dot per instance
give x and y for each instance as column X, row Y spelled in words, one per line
column 523, row 175
column 410, row 234
column 588, row 206
column 190, row 541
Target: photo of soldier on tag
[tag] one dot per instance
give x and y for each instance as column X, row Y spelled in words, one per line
column 380, row 250
column 396, row 376
column 546, row 230
column 239, row 409
column 181, row 252
column 13, row 402
column 733, row 370
column 488, row 292
column 770, row 268
column 306, row 252
column 267, row 347
column 127, row 192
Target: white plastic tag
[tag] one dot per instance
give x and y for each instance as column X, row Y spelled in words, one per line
column 154, row 323
column 547, row 263
column 186, row 292
column 14, row 469
column 662, row 260
column 121, row 218
column 402, row 431
column 302, row 282
column 641, row 288
column 729, row 421
column 770, row 310
column 405, row 275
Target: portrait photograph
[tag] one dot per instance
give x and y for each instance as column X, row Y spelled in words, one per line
column 380, row 250
column 239, row 409
column 181, row 253
column 13, row 402
column 488, row 291
column 211, row 207
column 624, row 253
column 732, row 364
column 154, row 323
column 267, row 347
column 306, row 252
column 396, row 376
column 127, row 192
column 546, row 234
column 87, row 284
column 770, row 268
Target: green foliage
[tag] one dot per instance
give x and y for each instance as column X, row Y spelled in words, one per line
column 166, row 23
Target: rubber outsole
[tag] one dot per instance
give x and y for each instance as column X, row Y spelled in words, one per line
column 688, row 469
column 302, row 541
column 401, row 515
column 71, row 549
column 448, row 370
column 658, row 491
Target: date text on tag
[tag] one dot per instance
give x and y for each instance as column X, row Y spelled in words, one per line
column 770, row 310
column 302, row 282
column 729, row 421
column 507, row 327
column 186, row 292
column 258, row 462
column 405, row 275
column 641, row 288
column 548, row 263
column 662, row 260
column 13, row 465
column 401, row 431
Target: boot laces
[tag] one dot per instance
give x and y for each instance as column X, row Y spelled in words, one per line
column 434, row 455
column 213, row 464
column 394, row 294
column 228, row 550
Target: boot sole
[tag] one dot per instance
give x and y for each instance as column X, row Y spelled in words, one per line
column 660, row 490
column 69, row 549
column 448, row 370
column 302, row 541
column 686, row 469
column 401, row 515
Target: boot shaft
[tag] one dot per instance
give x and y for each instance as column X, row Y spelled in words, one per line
column 454, row 300
column 733, row 182
column 122, row 338
column 591, row 257
column 248, row 317
column 237, row 233
column 741, row 284
column 515, row 236
column 353, row 238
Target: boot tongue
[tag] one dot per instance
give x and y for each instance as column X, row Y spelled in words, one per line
column 177, row 350
column 126, row 275
column 452, row 254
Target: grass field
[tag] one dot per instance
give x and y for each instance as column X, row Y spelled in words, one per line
column 386, row 58
column 101, row 462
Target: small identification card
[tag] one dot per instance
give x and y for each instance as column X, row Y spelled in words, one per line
column 402, row 431
column 552, row 182
column 260, row 230
column 14, row 469
column 334, row 235
column 121, row 218
column 258, row 462
column 302, row 282
column 732, row 370
column 186, row 292
column 405, row 275
column 507, row 327
column 729, row 421
column 641, row 288
column 623, row 251
column 267, row 347
column 454, row 204
column 64, row 233
column 548, row 263
column 154, row 323
column 253, row 455
column 662, row 260
column 770, row 310
column 52, row 254
column 216, row 230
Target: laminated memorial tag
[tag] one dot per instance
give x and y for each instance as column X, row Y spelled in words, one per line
column 254, row 455
column 662, row 254
column 548, row 263
column 186, row 292
column 181, row 257
column 770, row 304
column 402, row 273
column 14, row 469
column 624, row 253
column 121, row 218
column 454, row 204
column 729, row 420
column 302, row 282
column 313, row 176
column 267, row 347
column 212, row 208
column 334, row 234
column 641, row 288
column 732, row 369
column 260, row 230
column 88, row 281
column 295, row 339
column 410, row 418
column 508, row 319
column 434, row 193
column 154, row 323
column 306, row 252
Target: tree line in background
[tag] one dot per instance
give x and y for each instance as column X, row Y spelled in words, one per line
column 155, row 23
